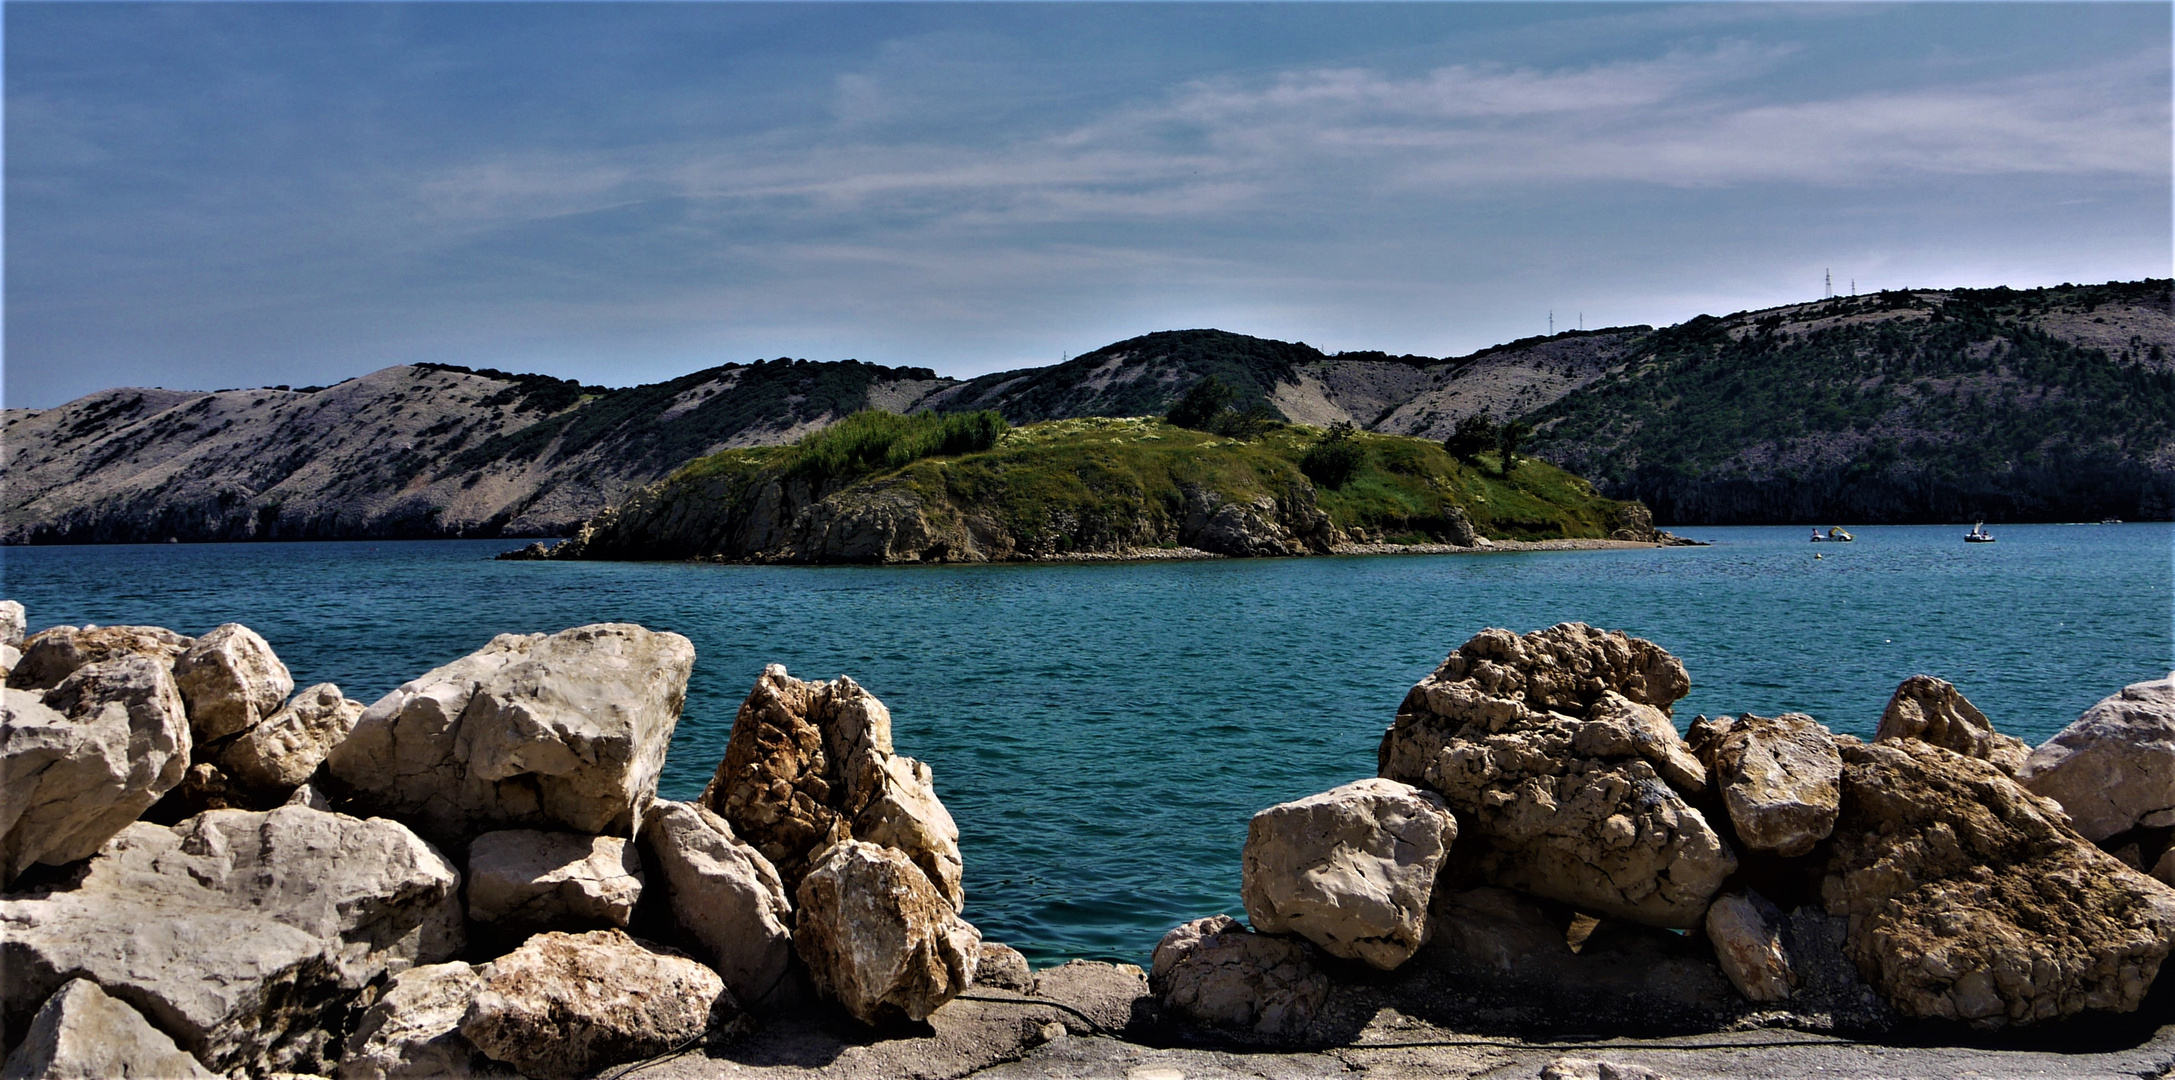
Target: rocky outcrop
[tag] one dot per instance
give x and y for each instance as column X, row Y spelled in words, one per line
column 52, row 655
column 524, row 880
column 1261, row 526
column 1545, row 747
column 878, row 938
column 1970, row 900
column 413, row 1030
column 1214, row 971
column 1002, row 967
column 82, row 760
column 1932, row 710
column 1746, row 931
column 725, row 897
column 565, row 731
column 284, row 751
column 83, row 1034
column 1350, row 869
column 231, row 681
column 14, row 623
column 2114, row 769
column 565, row 1005
column 810, row 764
column 1781, row 778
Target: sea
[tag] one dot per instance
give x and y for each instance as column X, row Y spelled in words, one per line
column 1102, row 732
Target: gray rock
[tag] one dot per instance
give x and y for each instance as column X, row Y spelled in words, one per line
column 1781, row 778
column 1263, row 526
column 1002, row 967
column 413, row 1030
column 1746, row 932
column 1350, row 869
column 231, row 681
column 53, row 654
column 9, row 657
column 1577, row 1068
column 565, row 1005
column 1214, row 971
column 524, row 880
column 14, row 623
column 878, row 938
column 566, row 731
column 82, row 1034
column 287, row 747
column 727, row 899
column 2114, row 768
column 1104, row 997
column 1932, row 710
column 85, row 759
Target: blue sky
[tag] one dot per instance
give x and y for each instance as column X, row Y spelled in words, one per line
column 206, row 196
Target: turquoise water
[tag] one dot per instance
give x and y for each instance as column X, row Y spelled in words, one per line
column 1103, row 732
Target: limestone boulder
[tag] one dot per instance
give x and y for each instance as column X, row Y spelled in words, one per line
column 245, row 935
column 726, row 898
column 231, row 681
column 1554, row 750
column 9, row 657
column 53, row 654
column 1214, row 971
column 878, row 938
column 566, row 1005
column 284, row 750
column 1350, row 869
column 1781, row 779
column 1970, row 900
column 82, row 760
column 1746, row 932
column 83, row 1034
column 2114, row 769
column 810, row 764
column 413, row 1030
column 1002, row 967
column 525, row 880
column 14, row 623
column 1932, row 710
column 561, row 731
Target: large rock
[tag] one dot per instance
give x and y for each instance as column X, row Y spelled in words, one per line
column 1969, row 900
column 810, row 764
column 1004, row 968
column 413, row 1030
column 1350, row 869
column 285, row 749
column 1746, row 932
column 1214, row 971
column 14, row 623
column 565, row 731
column 53, row 654
column 878, row 938
column 231, row 681
column 1932, row 710
column 81, row 761
column 727, row 899
column 523, row 880
column 244, row 935
column 2114, row 769
column 1781, row 778
column 83, row 1034
column 565, row 1005
column 1548, row 748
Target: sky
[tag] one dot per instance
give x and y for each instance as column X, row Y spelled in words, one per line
column 205, row 196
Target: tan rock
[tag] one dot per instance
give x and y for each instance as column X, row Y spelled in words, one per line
column 53, row 654
column 9, row 657
column 1099, row 997
column 82, row 1034
column 810, row 764
column 1577, row 1068
column 231, row 680
column 1968, row 900
column 1746, row 932
column 525, row 880
column 287, row 747
column 878, row 938
column 14, row 623
column 1934, row 711
column 80, row 762
column 1350, row 869
column 2114, row 769
column 565, row 1005
column 1556, row 778
column 1002, row 967
column 727, row 899
column 1214, row 971
column 1781, row 778
column 566, row 731
column 413, row 1030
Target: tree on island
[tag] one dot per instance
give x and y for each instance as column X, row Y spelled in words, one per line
column 1474, row 434
column 1507, row 439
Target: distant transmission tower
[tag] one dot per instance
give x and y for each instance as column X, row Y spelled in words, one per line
column 1551, row 322
column 1827, row 284
column 1853, row 286
column 1582, row 320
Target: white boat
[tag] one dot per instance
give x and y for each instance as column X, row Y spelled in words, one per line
column 1978, row 535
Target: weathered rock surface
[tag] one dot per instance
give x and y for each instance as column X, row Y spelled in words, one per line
column 1969, row 901
column 525, row 880
column 564, row 1005
column 1002, row 967
column 9, row 657
column 810, row 764
column 412, row 1031
column 287, row 747
column 1578, row 1068
column 2114, row 769
column 727, row 899
column 1350, row 869
column 244, row 935
column 1781, row 778
column 1934, row 711
column 878, row 937
column 1214, row 971
column 1263, row 526
column 565, row 731
column 53, row 654
column 14, row 623
column 231, row 681
column 83, row 1034
column 81, row 761
column 1535, row 742
column 1746, row 932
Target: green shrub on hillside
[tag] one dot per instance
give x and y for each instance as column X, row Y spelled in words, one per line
column 874, row 441
column 1474, row 434
column 1335, row 457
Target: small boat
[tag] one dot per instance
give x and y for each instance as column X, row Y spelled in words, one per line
column 1839, row 536
column 1978, row 535
column 2110, row 521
